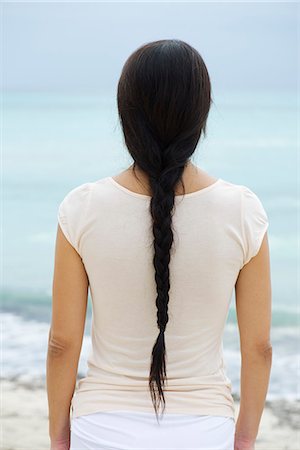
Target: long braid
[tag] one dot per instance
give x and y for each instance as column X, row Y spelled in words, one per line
column 163, row 102
column 161, row 207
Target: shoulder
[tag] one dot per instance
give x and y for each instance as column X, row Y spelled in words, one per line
column 251, row 202
column 245, row 194
column 251, row 206
column 229, row 187
column 229, row 194
column 254, row 221
column 72, row 212
column 78, row 193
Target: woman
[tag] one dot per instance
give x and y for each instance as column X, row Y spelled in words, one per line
column 161, row 246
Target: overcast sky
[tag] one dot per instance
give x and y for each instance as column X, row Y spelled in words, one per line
column 83, row 46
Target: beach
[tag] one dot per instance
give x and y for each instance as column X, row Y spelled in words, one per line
column 25, row 419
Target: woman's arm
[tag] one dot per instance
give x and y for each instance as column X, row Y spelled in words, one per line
column 253, row 306
column 69, row 304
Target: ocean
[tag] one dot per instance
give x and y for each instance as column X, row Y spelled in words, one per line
column 54, row 141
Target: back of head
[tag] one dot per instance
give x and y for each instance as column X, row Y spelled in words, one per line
column 164, row 97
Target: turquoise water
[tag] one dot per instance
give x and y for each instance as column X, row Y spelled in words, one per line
column 53, row 142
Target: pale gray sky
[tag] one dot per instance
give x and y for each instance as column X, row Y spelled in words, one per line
column 83, row 46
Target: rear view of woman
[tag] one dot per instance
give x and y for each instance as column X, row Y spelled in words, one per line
column 161, row 246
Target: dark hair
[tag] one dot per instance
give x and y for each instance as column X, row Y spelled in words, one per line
column 164, row 96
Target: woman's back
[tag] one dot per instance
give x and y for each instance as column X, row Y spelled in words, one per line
column 216, row 231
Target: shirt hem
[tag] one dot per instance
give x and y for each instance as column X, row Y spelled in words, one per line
column 223, row 411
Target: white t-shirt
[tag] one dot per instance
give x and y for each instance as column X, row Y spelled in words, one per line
column 216, row 230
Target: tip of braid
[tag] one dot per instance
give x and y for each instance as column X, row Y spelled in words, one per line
column 158, row 373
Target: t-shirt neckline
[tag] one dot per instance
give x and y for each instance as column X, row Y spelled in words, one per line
column 148, row 197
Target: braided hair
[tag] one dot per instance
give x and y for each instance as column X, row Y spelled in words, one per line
column 163, row 97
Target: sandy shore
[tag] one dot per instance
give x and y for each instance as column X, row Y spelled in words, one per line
column 24, row 410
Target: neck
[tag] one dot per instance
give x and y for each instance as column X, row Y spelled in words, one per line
column 189, row 171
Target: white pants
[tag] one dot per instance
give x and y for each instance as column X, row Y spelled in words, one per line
column 128, row 430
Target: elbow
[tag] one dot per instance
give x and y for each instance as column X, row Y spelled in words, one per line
column 265, row 349
column 260, row 351
column 57, row 346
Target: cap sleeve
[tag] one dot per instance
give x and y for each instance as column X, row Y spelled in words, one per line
column 72, row 213
column 254, row 223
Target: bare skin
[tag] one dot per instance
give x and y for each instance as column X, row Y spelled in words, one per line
column 253, row 306
column 193, row 178
column 69, row 304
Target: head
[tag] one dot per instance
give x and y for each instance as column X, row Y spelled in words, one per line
column 164, row 97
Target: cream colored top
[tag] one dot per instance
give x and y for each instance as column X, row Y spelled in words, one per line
column 218, row 229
